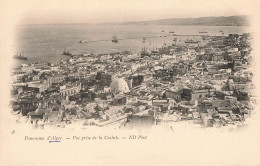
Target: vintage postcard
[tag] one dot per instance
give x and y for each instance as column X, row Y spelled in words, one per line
column 118, row 82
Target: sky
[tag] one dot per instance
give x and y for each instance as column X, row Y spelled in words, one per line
column 98, row 11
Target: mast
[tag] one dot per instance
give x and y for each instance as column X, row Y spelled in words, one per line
column 114, row 39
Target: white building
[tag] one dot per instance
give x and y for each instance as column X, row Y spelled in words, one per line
column 119, row 85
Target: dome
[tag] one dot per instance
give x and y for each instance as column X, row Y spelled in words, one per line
column 119, row 85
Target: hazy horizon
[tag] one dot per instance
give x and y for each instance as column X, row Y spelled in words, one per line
column 94, row 23
column 33, row 12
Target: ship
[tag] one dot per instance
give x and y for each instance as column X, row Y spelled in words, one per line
column 114, row 39
column 155, row 52
column 144, row 38
column 164, row 49
column 66, row 53
column 174, row 39
column 144, row 52
column 83, row 41
column 191, row 41
column 20, row 57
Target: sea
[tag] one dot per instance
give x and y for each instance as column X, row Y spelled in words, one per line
column 46, row 43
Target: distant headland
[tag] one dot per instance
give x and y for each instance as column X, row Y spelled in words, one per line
column 241, row 20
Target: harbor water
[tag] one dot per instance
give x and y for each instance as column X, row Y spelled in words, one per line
column 45, row 43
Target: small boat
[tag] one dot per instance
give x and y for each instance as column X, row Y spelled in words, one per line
column 203, row 32
column 171, row 31
column 162, row 31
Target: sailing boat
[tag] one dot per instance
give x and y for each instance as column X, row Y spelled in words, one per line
column 144, row 39
column 114, row 39
column 144, row 52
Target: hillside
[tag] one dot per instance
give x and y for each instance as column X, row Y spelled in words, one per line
column 206, row 21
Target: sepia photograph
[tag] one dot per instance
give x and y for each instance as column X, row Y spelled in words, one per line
column 89, row 82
